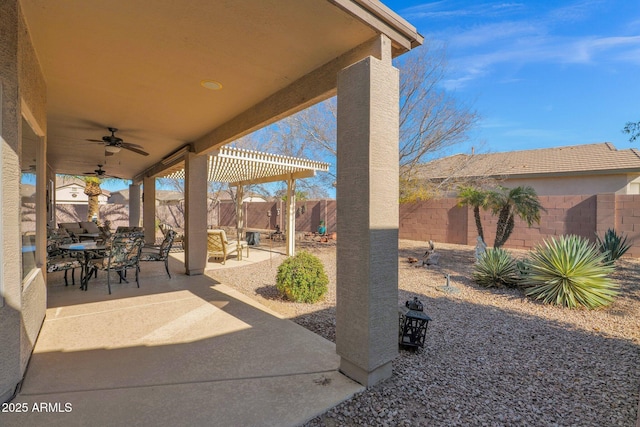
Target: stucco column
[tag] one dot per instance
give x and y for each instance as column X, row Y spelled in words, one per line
column 367, row 199
column 195, row 213
column 149, row 209
column 134, row 205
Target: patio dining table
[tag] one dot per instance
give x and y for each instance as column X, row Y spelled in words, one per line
column 88, row 250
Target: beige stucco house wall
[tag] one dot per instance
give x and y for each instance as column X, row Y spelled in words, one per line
column 579, row 185
column 22, row 96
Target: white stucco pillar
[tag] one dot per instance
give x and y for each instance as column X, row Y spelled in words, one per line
column 149, row 209
column 367, row 203
column 291, row 217
column 134, row 205
column 195, row 207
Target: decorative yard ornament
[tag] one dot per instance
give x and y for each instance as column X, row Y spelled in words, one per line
column 430, row 257
column 481, row 248
column 447, row 288
column 413, row 324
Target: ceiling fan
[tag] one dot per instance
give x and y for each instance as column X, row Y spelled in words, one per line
column 113, row 144
column 100, row 173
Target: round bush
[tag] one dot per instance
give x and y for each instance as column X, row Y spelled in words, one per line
column 301, row 278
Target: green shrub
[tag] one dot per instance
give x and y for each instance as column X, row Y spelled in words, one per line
column 612, row 245
column 496, row 267
column 569, row 271
column 301, row 278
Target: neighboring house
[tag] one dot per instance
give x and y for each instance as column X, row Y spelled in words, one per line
column 572, row 170
column 71, row 192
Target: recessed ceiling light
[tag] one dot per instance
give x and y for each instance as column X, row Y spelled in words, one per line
column 211, row 84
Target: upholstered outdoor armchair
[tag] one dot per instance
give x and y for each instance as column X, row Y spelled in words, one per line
column 219, row 247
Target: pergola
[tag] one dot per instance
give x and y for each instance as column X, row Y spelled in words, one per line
column 240, row 167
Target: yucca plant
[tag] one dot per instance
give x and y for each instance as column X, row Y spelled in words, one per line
column 496, row 267
column 569, row 271
column 612, row 245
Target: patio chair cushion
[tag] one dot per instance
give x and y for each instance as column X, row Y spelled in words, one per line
column 219, row 247
column 62, row 263
column 90, row 227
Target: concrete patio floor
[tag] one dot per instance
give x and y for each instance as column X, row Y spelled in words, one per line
column 180, row 351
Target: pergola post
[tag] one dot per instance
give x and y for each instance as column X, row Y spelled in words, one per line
column 239, row 212
column 291, row 216
column 367, row 201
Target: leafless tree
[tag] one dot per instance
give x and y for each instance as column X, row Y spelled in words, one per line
column 431, row 122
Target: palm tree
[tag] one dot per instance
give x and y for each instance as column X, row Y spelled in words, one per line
column 476, row 198
column 92, row 189
column 507, row 203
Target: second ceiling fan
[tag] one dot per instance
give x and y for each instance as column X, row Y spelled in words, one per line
column 113, row 144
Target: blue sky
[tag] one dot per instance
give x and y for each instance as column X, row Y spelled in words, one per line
column 540, row 73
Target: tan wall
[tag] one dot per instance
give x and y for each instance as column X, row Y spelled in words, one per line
column 575, row 185
column 438, row 220
column 22, row 304
column 257, row 218
column 442, row 221
column 627, row 220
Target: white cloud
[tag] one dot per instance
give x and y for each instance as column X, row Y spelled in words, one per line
column 517, row 35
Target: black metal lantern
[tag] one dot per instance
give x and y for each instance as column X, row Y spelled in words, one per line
column 413, row 324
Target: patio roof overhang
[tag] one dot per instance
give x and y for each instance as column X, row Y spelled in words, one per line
column 140, row 68
column 239, row 167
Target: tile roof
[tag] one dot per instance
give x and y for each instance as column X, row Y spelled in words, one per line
column 601, row 158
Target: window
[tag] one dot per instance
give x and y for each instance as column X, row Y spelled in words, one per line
column 28, row 198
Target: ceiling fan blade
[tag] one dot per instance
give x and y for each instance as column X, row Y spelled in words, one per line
column 129, row 144
column 135, row 150
column 95, row 140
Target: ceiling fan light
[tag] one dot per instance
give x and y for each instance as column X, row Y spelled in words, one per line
column 112, row 149
column 211, row 84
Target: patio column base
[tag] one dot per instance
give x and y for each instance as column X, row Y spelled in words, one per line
column 366, row 378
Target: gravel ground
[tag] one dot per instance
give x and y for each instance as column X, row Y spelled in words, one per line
column 492, row 357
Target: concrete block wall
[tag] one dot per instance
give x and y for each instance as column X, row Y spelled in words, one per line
column 438, row 220
column 257, row 218
column 627, row 220
column 442, row 221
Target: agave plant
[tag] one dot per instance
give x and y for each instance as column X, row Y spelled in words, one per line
column 612, row 246
column 569, row 271
column 496, row 267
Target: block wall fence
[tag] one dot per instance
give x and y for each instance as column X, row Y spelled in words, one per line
column 443, row 221
column 438, row 220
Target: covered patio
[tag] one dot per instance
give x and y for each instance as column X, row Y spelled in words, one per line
column 185, row 351
column 180, row 81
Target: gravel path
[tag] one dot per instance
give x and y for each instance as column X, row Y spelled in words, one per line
column 492, row 357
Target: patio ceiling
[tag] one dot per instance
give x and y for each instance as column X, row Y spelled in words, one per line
column 241, row 167
column 137, row 66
